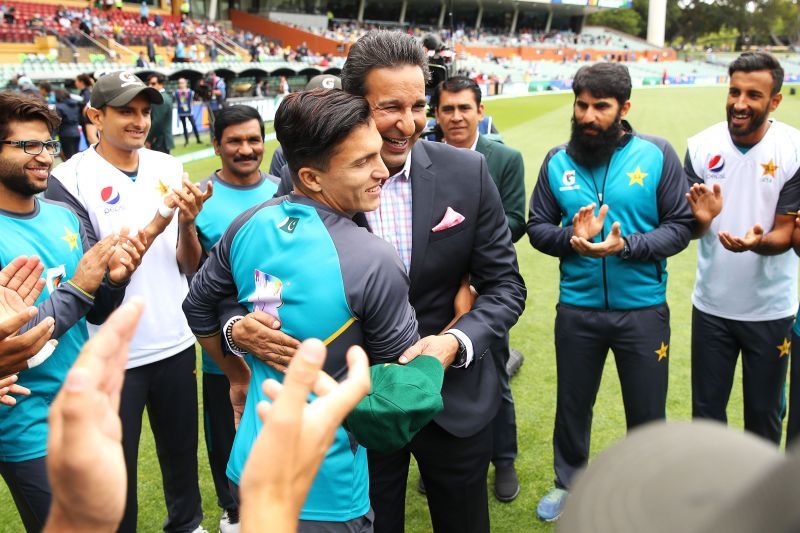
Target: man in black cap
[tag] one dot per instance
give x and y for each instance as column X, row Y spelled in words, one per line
column 119, row 183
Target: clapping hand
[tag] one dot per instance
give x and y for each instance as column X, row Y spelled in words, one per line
column 585, row 225
column 613, row 244
column 742, row 244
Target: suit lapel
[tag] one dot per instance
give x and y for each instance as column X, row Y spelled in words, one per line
column 483, row 146
column 423, row 188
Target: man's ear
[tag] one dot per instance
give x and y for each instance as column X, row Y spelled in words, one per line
column 95, row 116
column 309, row 179
column 625, row 108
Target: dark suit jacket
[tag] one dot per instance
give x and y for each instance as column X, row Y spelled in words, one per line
column 160, row 135
column 508, row 172
column 442, row 177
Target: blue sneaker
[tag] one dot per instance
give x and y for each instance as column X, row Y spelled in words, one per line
column 551, row 505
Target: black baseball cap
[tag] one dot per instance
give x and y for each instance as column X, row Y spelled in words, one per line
column 117, row 89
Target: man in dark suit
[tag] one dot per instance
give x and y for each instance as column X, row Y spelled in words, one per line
column 160, row 136
column 443, row 214
column 456, row 103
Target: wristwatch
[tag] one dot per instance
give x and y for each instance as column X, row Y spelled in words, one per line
column 461, row 354
column 626, row 250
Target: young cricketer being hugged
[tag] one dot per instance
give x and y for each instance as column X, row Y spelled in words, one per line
column 610, row 205
column 302, row 259
column 84, row 281
column 745, row 176
column 119, row 183
column 238, row 186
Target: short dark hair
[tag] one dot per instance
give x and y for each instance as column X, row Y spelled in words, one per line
column 310, row 125
column 46, row 86
column 456, row 84
column 85, row 79
column 604, row 80
column 381, row 49
column 755, row 61
column 233, row 115
column 160, row 78
column 20, row 107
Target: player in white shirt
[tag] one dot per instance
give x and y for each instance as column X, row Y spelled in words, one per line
column 746, row 187
column 117, row 183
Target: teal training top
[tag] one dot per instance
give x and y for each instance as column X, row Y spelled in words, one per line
column 54, row 234
column 323, row 277
column 227, row 202
column 644, row 186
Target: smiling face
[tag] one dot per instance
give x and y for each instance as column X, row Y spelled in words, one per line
column 241, row 150
column 397, row 99
column 123, row 128
column 21, row 174
column 352, row 182
column 749, row 104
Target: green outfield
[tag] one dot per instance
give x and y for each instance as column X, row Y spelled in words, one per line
column 532, row 125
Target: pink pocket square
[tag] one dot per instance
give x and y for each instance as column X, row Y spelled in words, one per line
column 451, row 219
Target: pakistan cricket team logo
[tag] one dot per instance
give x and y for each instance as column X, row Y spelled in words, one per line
column 289, row 224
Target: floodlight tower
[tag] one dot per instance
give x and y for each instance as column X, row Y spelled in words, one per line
column 656, row 22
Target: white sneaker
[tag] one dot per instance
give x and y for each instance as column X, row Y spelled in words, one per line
column 200, row 530
column 229, row 523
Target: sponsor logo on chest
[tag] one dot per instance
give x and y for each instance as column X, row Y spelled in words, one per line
column 568, row 179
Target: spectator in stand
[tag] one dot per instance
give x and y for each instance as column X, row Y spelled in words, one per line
column 142, row 61
column 10, row 15
column 180, row 52
column 158, row 20
column 185, row 8
column 69, row 110
column 151, row 48
column 144, row 13
column 213, row 52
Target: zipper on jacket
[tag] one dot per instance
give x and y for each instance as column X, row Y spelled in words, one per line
column 601, row 197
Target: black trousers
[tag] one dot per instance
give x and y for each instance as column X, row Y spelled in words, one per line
column 793, row 426
column 190, row 118
column 504, row 425
column 27, row 482
column 168, row 389
column 454, row 471
column 639, row 339
column 69, row 146
column 716, row 343
column 219, row 432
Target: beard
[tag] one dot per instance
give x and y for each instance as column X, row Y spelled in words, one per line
column 592, row 150
column 14, row 179
column 756, row 121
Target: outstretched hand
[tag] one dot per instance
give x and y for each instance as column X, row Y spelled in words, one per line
column 85, row 463
column 298, row 432
column 742, row 244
